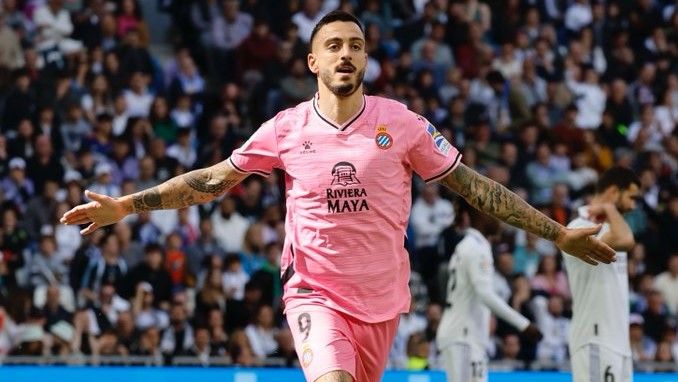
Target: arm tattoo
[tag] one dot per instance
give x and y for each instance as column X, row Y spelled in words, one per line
column 147, row 200
column 203, row 181
column 496, row 200
column 195, row 187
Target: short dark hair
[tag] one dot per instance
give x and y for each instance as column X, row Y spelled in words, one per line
column 621, row 177
column 331, row 17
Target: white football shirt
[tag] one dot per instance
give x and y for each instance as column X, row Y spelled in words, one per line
column 471, row 297
column 600, row 297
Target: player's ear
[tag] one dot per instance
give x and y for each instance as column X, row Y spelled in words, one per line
column 312, row 63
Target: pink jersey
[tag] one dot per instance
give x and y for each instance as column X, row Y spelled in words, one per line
column 348, row 200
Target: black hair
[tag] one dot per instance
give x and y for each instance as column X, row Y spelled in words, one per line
column 621, row 177
column 331, row 17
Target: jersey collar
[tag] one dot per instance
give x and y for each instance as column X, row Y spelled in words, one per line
column 346, row 124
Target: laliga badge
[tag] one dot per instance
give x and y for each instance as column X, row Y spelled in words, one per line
column 383, row 139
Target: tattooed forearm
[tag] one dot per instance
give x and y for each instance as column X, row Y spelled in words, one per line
column 147, row 200
column 204, row 181
column 199, row 186
column 496, row 200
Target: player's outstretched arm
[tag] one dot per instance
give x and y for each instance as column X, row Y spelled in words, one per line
column 496, row 200
column 195, row 187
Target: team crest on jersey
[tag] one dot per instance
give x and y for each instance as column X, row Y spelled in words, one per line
column 343, row 173
column 438, row 139
column 306, row 356
column 383, row 139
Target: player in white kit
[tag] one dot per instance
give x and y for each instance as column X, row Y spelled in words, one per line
column 599, row 344
column 463, row 333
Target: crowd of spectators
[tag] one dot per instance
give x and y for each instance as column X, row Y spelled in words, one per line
column 540, row 96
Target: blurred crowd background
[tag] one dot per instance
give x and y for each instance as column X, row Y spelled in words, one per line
column 118, row 96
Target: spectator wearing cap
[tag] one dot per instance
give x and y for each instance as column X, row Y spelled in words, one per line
column 16, row 186
column 63, row 334
column 103, row 182
column 44, row 265
column 642, row 347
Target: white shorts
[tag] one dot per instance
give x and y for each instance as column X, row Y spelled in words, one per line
column 595, row 363
column 463, row 362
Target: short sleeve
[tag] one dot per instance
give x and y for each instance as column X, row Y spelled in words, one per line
column 259, row 154
column 430, row 155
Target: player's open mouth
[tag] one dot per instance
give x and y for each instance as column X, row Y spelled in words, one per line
column 346, row 69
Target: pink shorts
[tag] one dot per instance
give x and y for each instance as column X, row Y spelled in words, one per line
column 327, row 340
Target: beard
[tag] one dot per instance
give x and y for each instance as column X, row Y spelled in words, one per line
column 343, row 89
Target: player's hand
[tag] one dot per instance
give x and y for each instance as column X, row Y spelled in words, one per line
column 532, row 334
column 599, row 211
column 101, row 211
column 580, row 243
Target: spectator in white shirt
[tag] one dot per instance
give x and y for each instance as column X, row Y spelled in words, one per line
column 578, row 15
column 647, row 133
column 231, row 27
column 54, row 27
column 234, row 278
column 182, row 150
column 556, row 328
column 262, row 333
column 229, row 226
column 138, row 98
column 431, row 214
column 667, row 284
column 311, row 13
column 589, row 96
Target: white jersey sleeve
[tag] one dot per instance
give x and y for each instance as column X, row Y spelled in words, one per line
column 480, row 270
